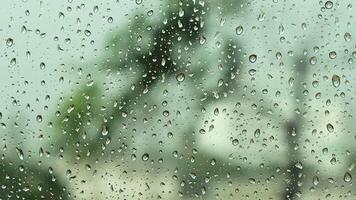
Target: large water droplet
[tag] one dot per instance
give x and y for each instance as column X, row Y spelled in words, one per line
column 329, row 4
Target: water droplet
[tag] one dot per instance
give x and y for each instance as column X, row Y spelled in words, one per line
column 252, row 58
column 335, row 80
column 347, row 37
column 347, row 177
column 329, row 4
column 19, row 153
column 333, row 161
column 213, row 162
column 299, row 165
column 150, row 13
column 235, row 142
column 330, row 128
column 145, row 157
column 39, row 118
column 252, row 72
column 180, row 77
column 138, row 2
column 9, row 42
column 13, row 61
column 42, row 66
column 239, row 30
column 202, row 131
column 257, row 133
column 313, row 60
column 332, row 55
column 110, row 19
column 87, row 33
column 315, row 180
column 104, row 130
column 216, row 111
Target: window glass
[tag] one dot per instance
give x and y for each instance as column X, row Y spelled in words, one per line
column 177, row 99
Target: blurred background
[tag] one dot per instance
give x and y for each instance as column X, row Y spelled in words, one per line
column 191, row 99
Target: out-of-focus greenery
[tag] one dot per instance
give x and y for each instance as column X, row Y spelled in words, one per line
column 176, row 107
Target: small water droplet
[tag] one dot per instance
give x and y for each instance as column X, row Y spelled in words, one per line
column 9, row 42
column 39, row 118
column 315, row 180
column 180, row 77
column 235, row 142
column 347, row 37
column 332, row 55
column 104, row 130
column 329, row 4
column 239, row 30
column 145, row 156
column 347, row 177
column 252, row 58
column 313, row 60
column 257, row 133
column 87, row 33
column 335, row 80
column 19, row 153
column 13, row 61
column 330, row 127
column 213, row 161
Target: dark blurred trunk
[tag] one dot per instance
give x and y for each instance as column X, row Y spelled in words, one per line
column 294, row 170
column 293, row 128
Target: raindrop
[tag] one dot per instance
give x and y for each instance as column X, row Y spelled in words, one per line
column 257, row 133
column 145, row 157
column 335, row 80
column 332, row 55
column 13, row 61
column 180, row 77
column 313, row 60
column 347, row 37
column 213, row 162
column 235, row 142
column 87, row 33
column 39, row 118
column 347, row 177
column 239, row 30
column 42, row 66
column 104, row 130
column 252, row 58
column 110, row 19
column 315, row 180
column 329, row 4
column 19, row 153
column 150, row 13
column 9, row 42
column 216, row 111
column 330, row 127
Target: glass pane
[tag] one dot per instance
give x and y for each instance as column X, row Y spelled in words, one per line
column 190, row 99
